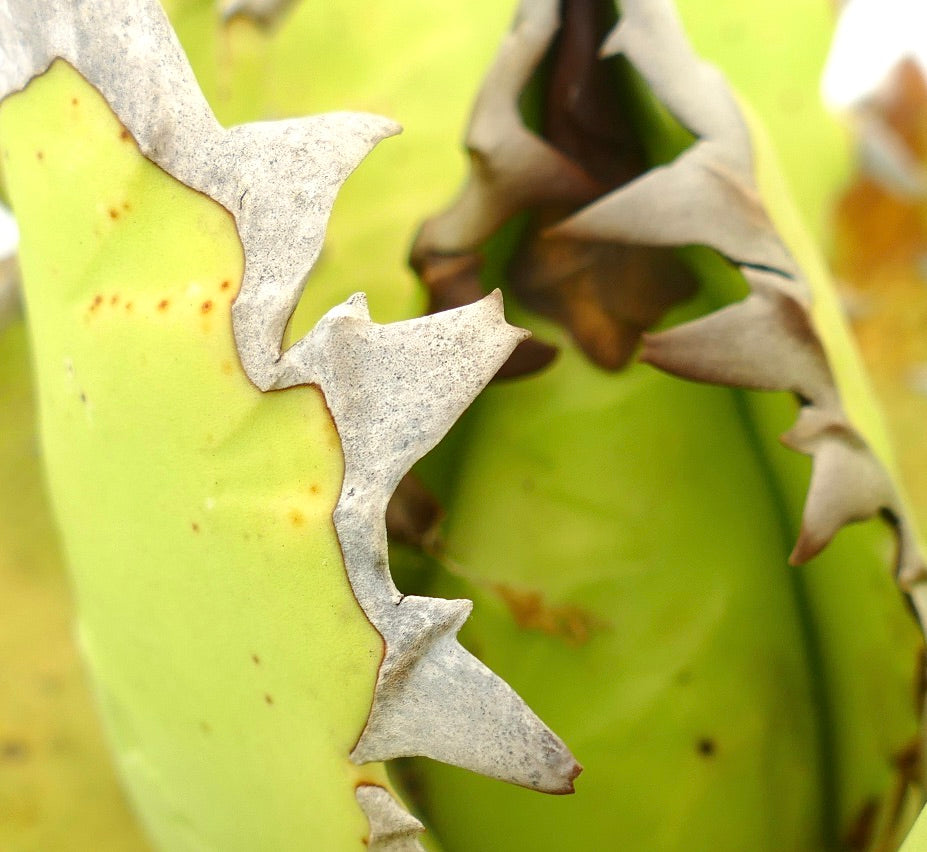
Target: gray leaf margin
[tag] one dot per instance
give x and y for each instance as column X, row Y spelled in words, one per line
column 393, row 390
column 707, row 196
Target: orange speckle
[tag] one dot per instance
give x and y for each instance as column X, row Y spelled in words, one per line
column 124, row 135
column 74, row 102
column 195, row 527
column 296, row 517
column 114, row 298
column 126, row 206
column 225, row 284
column 128, row 306
column 206, row 307
column 40, row 155
column 163, row 305
column 113, row 213
column 97, row 301
column 314, row 488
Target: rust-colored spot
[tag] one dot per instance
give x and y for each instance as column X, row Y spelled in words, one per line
column 40, row 155
column 268, row 698
column 195, row 527
column 706, row 747
column 860, row 833
column 114, row 298
column 163, row 305
column 255, row 659
column 314, row 488
column 74, row 102
column 206, row 307
column 572, row 624
column 128, row 306
column 83, row 397
column 225, row 284
column 97, row 301
column 124, row 135
column 113, row 213
column 126, row 206
column 297, row 518
column 14, row 750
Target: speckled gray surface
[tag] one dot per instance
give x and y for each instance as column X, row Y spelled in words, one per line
column 393, row 390
column 391, row 828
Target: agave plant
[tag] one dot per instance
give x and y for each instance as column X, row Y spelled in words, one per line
column 220, row 463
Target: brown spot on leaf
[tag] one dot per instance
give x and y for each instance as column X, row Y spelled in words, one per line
column 314, row 488
column 706, row 747
column 859, row 835
column 413, row 514
column 13, row 751
column 74, row 102
column 124, row 135
column 255, row 659
column 97, row 301
column 195, row 527
column 268, row 698
column 113, row 213
column 129, row 306
column 206, row 307
column 163, row 305
column 572, row 624
column 225, row 284
column 40, row 155
column 114, row 299
column 297, row 518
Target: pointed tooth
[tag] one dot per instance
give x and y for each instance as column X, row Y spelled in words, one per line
column 911, row 570
column 848, row 484
column 760, row 343
column 475, row 720
column 392, row 828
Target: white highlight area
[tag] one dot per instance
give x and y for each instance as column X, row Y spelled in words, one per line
column 871, row 38
column 9, row 233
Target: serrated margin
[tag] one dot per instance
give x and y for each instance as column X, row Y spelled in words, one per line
column 707, row 196
column 393, row 390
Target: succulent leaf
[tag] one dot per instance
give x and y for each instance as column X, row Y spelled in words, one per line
column 721, row 191
column 392, row 391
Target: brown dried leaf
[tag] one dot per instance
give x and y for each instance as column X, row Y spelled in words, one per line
column 604, row 294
